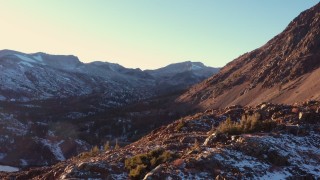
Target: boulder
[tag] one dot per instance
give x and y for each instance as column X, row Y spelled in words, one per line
column 215, row 138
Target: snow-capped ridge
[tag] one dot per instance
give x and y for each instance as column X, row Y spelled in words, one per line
column 43, row 76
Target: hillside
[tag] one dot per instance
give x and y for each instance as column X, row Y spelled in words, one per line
column 284, row 70
column 272, row 141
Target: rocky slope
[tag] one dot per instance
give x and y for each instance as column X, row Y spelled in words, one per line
column 277, row 142
column 286, row 69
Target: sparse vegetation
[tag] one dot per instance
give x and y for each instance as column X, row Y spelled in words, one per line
column 180, row 125
column 106, row 146
column 93, row 152
column 140, row 164
column 248, row 124
column 116, row 146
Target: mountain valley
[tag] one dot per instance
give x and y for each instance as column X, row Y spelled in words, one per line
column 63, row 107
column 258, row 117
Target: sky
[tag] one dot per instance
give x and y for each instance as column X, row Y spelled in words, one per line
column 145, row 34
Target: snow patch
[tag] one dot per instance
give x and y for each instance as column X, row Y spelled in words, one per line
column 300, row 151
column 195, row 67
column 54, row 148
column 38, row 57
column 9, row 122
column 51, row 133
column 8, row 168
column 23, row 162
column 276, row 175
column 24, row 58
column 2, row 98
column 119, row 176
column 25, row 63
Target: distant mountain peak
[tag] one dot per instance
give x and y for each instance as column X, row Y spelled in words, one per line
column 184, row 66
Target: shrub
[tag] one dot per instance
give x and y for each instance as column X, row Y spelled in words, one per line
column 93, row 152
column 156, row 152
column 138, row 172
column 180, row 126
column 117, row 146
column 229, row 127
column 106, row 146
column 248, row 124
column 140, row 164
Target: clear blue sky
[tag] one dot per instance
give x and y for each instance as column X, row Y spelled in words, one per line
column 145, row 33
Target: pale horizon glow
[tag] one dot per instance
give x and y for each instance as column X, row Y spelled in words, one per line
column 145, row 34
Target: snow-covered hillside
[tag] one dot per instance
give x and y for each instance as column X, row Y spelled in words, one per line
column 25, row 77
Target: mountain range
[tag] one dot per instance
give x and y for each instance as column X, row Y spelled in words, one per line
column 39, row 76
column 257, row 118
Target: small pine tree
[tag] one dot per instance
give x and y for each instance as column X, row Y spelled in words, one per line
column 95, row 150
column 106, row 146
column 117, row 145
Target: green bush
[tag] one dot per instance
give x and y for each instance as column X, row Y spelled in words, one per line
column 140, row 164
column 138, row 172
column 248, row 124
column 229, row 127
